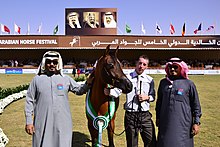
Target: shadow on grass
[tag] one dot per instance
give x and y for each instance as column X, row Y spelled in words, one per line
column 80, row 140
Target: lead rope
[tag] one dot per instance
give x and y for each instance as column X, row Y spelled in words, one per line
column 139, row 105
column 109, row 87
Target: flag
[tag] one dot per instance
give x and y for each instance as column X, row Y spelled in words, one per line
column 184, row 29
column 210, row 28
column 28, row 29
column 5, row 28
column 172, row 30
column 39, row 28
column 199, row 28
column 17, row 29
column 142, row 29
column 158, row 29
column 55, row 30
column 127, row 29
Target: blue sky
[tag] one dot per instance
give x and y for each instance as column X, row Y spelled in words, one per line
column 131, row 12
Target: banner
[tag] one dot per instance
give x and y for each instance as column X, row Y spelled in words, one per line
column 13, row 71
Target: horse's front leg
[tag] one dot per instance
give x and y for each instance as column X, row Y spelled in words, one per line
column 93, row 133
column 111, row 128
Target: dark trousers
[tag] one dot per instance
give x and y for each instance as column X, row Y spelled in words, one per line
column 136, row 122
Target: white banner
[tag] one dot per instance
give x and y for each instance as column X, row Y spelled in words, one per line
column 127, row 71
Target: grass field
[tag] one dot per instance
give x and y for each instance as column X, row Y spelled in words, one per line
column 12, row 120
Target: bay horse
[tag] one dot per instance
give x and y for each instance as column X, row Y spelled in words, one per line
column 108, row 70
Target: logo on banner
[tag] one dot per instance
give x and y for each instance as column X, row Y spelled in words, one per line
column 13, row 71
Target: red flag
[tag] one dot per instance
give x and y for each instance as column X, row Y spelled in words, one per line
column 5, row 28
column 17, row 29
column 172, row 30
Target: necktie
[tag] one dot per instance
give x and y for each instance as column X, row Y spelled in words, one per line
column 139, row 85
column 139, row 90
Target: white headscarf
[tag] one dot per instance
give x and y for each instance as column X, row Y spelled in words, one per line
column 94, row 23
column 76, row 16
column 51, row 55
column 112, row 23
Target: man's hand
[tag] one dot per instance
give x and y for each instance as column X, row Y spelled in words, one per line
column 143, row 97
column 90, row 79
column 30, row 129
column 195, row 129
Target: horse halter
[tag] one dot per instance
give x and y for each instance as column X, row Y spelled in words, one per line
column 108, row 76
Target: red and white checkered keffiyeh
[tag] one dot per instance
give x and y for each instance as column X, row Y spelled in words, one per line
column 182, row 64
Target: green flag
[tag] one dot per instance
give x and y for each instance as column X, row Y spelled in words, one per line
column 55, row 30
column 128, row 29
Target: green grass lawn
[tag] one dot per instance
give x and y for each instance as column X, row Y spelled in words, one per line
column 12, row 120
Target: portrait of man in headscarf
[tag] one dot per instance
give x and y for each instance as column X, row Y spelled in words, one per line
column 91, row 20
column 109, row 20
column 73, row 20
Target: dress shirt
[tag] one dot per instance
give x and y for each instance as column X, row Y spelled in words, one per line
column 142, row 84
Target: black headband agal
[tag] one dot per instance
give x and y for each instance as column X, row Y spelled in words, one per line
column 108, row 14
column 52, row 56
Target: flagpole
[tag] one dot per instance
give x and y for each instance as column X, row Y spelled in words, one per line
column 214, row 27
column 28, row 29
column 125, row 27
column 201, row 28
column 58, row 28
column 41, row 29
column 143, row 29
column 120, row 30
column 142, row 26
column 14, row 28
column 170, row 28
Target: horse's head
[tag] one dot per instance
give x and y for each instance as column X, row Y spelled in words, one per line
column 110, row 71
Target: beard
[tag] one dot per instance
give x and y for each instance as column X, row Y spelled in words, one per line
column 50, row 70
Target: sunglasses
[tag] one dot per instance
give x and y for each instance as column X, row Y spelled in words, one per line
column 55, row 62
column 173, row 66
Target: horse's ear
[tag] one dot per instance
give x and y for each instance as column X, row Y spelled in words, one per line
column 107, row 50
column 116, row 52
